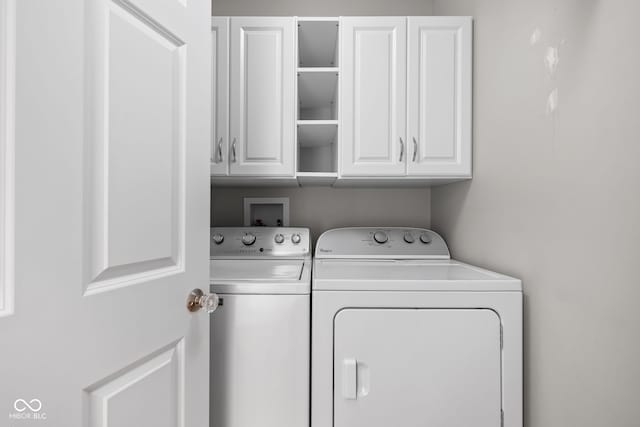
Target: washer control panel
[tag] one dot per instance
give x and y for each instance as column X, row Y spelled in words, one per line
column 382, row 242
column 252, row 242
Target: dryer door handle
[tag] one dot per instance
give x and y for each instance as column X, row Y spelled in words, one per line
column 350, row 379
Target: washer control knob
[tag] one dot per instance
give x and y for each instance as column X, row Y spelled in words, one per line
column 425, row 238
column 217, row 238
column 248, row 239
column 380, row 237
column 279, row 238
column 408, row 237
column 296, row 239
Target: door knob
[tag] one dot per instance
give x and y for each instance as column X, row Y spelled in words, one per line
column 198, row 299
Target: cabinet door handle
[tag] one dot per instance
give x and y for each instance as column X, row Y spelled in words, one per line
column 401, row 149
column 415, row 149
column 219, row 150
column 212, row 158
column 233, row 150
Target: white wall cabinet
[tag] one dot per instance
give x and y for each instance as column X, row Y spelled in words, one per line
column 261, row 95
column 220, row 94
column 439, row 95
column 406, row 97
column 397, row 92
column 373, row 57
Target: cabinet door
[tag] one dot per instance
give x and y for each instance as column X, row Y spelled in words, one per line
column 439, row 93
column 373, row 96
column 220, row 94
column 417, row 367
column 262, row 96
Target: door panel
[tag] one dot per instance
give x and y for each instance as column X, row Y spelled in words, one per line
column 7, row 147
column 146, row 393
column 112, row 130
column 373, row 96
column 220, row 93
column 262, row 96
column 137, row 131
column 439, row 91
column 417, row 367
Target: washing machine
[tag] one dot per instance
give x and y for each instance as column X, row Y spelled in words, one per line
column 402, row 335
column 260, row 333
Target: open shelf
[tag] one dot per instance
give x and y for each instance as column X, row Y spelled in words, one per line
column 318, row 43
column 317, row 146
column 317, row 95
column 308, row 179
column 315, row 133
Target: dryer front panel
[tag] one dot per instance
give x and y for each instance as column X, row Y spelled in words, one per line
column 417, row 367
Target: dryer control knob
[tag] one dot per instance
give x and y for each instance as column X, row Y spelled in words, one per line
column 408, row 237
column 279, row 238
column 425, row 238
column 217, row 238
column 380, row 237
column 248, row 239
column 296, row 239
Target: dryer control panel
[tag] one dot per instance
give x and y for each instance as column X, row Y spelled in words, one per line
column 382, row 242
column 259, row 242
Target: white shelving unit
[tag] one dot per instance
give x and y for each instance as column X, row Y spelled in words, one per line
column 318, row 77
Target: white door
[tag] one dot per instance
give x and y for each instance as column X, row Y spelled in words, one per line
column 220, row 96
column 107, row 198
column 373, row 61
column 439, row 91
column 262, row 96
column 417, row 367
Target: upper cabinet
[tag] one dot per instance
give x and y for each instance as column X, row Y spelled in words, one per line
column 406, row 97
column 439, row 95
column 220, row 94
column 261, row 108
column 342, row 101
column 373, row 57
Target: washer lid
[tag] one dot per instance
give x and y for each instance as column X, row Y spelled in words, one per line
column 267, row 276
column 407, row 275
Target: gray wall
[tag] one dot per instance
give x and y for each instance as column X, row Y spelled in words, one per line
column 324, row 208
column 555, row 198
column 320, row 7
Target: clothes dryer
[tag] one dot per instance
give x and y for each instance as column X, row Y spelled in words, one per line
column 404, row 335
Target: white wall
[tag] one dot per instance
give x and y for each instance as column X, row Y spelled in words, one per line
column 555, row 198
column 326, row 208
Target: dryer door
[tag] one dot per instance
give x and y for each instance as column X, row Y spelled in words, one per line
column 417, row 367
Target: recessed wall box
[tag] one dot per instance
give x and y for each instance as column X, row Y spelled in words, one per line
column 266, row 211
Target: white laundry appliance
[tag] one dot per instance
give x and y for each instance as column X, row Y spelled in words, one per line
column 402, row 335
column 260, row 331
